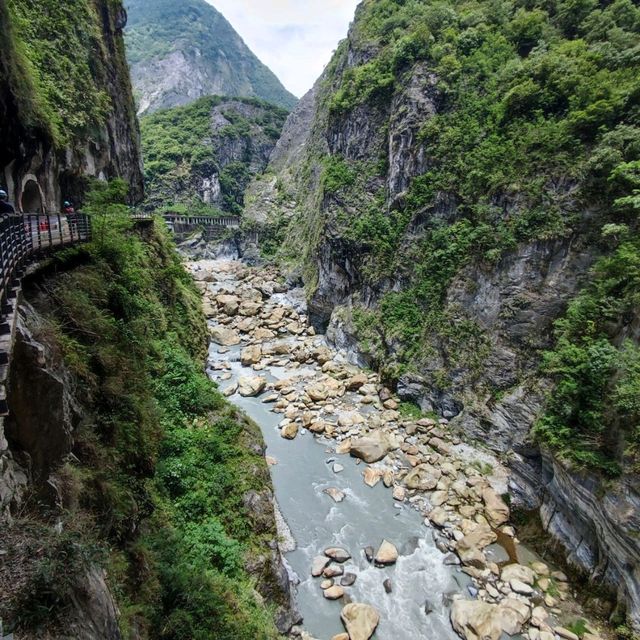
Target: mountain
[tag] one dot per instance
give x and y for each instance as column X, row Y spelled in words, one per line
column 463, row 192
column 200, row 157
column 181, row 51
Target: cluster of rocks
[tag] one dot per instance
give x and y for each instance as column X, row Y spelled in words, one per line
column 417, row 459
column 329, row 566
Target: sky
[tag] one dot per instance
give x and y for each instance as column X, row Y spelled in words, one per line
column 294, row 38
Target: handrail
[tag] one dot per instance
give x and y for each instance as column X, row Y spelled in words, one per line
column 207, row 221
column 23, row 236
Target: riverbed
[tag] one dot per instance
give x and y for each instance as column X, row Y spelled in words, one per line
column 269, row 363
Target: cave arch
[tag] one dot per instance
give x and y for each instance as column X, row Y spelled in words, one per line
column 31, row 200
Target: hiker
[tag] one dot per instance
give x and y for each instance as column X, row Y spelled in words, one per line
column 6, row 209
column 69, row 211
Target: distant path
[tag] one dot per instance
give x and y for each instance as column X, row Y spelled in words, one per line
column 175, row 221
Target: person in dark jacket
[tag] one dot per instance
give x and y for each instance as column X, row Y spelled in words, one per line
column 6, row 209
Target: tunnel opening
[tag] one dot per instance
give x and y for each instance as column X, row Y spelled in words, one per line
column 32, row 198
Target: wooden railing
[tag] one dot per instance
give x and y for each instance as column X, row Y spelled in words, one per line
column 207, row 221
column 23, row 236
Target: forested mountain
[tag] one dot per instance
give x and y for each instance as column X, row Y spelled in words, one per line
column 201, row 157
column 466, row 184
column 182, row 51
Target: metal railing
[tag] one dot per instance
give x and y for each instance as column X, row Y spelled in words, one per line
column 25, row 236
column 173, row 219
column 211, row 221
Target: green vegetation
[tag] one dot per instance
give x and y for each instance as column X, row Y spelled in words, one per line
column 410, row 411
column 579, row 627
column 159, row 27
column 593, row 414
column 182, row 148
column 536, row 137
column 163, row 462
column 59, row 67
column 485, row 468
column 337, row 175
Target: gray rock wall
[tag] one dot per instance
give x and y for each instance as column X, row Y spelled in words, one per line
column 514, row 302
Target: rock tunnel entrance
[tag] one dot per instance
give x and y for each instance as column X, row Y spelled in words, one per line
column 31, row 199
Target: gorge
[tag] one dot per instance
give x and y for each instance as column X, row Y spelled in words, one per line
column 420, row 411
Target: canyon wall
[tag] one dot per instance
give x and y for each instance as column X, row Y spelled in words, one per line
column 66, row 105
column 444, row 223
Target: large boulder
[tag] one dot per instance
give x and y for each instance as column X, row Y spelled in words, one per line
column 224, row 337
column 513, row 615
column 321, row 391
column 421, row 478
column 475, row 620
column 495, row 508
column 518, row 572
column 251, row 386
column 470, row 547
column 228, row 304
column 387, row 554
column 372, row 447
column 360, row 620
column 250, row 309
column 289, row 431
column 334, row 593
column 318, row 565
column 251, row 355
column 337, row 554
column 359, row 380
column 482, row 536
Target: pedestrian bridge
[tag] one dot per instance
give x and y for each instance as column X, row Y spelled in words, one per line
column 178, row 222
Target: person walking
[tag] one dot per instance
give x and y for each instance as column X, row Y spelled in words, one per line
column 72, row 220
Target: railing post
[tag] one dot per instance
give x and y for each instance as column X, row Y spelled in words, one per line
column 49, row 233
column 60, row 230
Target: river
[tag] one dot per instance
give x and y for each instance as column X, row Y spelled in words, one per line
column 413, row 596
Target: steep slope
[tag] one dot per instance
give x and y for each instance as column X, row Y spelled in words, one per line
column 201, row 157
column 66, row 108
column 181, row 51
column 459, row 174
column 150, row 512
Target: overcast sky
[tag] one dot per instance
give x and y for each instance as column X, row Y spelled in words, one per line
column 295, row 38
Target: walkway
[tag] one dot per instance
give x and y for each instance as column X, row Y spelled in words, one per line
column 24, row 238
column 173, row 220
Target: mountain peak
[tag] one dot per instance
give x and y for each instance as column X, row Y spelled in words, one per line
column 179, row 52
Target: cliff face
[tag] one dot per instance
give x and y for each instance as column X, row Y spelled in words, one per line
column 201, row 157
column 180, row 52
column 66, row 102
column 451, row 201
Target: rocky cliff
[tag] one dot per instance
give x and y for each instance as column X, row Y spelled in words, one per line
column 180, row 52
column 462, row 210
column 200, row 157
column 66, row 108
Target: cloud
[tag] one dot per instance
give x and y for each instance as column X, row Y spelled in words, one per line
column 295, row 39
